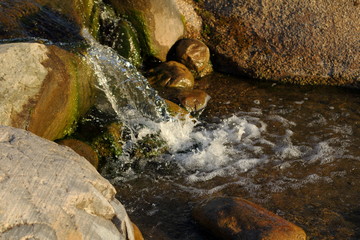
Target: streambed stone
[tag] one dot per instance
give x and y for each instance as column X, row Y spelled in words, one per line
column 47, row 191
column 235, row 218
column 44, row 89
column 171, row 75
column 304, row 42
column 194, row 54
column 193, row 100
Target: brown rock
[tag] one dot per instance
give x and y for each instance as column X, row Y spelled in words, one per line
column 158, row 23
column 305, row 42
column 176, row 110
column 44, row 89
column 193, row 22
column 171, row 74
column 236, row 218
column 137, row 233
column 193, row 100
column 195, row 55
column 82, row 149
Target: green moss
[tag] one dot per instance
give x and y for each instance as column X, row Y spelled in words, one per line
column 150, row 146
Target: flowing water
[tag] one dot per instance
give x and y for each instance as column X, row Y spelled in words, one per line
column 291, row 149
column 294, row 150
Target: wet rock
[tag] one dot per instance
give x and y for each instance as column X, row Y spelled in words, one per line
column 315, row 42
column 44, row 89
column 55, row 20
column 158, row 23
column 82, row 149
column 176, row 110
column 195, row 55
column 120, row 35
column 47, row 191
column 193, row 100
column 236, row 218
column 171, row 75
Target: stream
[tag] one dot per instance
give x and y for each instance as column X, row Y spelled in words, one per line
column 291, row 149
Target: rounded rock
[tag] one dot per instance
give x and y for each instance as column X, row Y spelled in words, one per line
column 193, row 100
column 194, row 54
column 171, row 74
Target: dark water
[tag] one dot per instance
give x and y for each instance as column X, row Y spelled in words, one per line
column 304, row 164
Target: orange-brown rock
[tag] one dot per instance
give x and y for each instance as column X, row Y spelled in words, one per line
column 193, row 100
column 238, row 219
column 176, row 110
column 137, row 233
column 171, row 74
column 82, row 149
column 194, row 54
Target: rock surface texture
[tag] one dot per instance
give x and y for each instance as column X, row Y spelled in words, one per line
column 44, row 89
column 158, row 22
column 47, row 191
column 237, row 219
column 305, row 42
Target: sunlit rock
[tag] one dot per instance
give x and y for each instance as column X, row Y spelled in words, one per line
column 236, row 218
column 194, row 54
column 171, row 75
column 158, row 23
column 193, row 22
column 47, row 191
column 193, row 100
column 307, row 42
column 44, row 89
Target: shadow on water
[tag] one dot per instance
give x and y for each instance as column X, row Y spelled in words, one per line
column 28, row 21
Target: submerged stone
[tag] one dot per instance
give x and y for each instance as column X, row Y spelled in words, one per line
column 236, row 219
column 193, row 100
column 44, row 89
column 171, row 75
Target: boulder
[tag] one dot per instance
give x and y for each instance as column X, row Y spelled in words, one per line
column 304, row 42
column 194, row 54
column 47, row 191
column 235, row 219
column 158, row 23
column 193, row 22
column 44, row 89
column 171, row 75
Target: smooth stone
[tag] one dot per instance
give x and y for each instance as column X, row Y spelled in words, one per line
column 193, row 100
column 195, row 55
column 237, row 219
column 171, row 75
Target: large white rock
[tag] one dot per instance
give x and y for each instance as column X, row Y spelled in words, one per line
column 47, row 191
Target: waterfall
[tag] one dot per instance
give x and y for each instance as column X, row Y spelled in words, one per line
column 130, row 95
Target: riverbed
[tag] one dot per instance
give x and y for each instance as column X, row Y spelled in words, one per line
column 291, row 149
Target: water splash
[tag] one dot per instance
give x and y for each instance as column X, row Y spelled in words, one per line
column 128, row 92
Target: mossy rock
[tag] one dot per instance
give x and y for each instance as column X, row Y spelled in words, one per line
column 45, row 89
column 158, row 23
column 120, row 35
